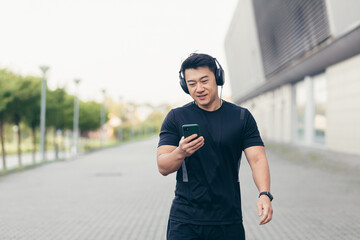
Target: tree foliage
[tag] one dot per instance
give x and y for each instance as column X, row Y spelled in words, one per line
column 89, row 116
column 20, row 103
column 59, row 109
column 7, row 87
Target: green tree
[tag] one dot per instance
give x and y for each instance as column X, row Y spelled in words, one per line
column 7, row 88
column 31, row 112
column 59, row 112
column 89, row 116
column 22, row 99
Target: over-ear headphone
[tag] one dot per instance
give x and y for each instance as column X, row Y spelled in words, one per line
column 219, row 76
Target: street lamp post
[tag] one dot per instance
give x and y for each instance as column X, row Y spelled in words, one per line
column 102, row 120
column 76, row 118
column 44, row 69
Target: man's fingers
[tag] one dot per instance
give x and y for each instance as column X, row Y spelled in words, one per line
column 265, row 216
column 190, row 138
column 265, row 219
column 259, row 207
column 196, row 147
column 188, row 142
column 197, row 143
column 269, row 215
column 189, row 146
column 262, row 220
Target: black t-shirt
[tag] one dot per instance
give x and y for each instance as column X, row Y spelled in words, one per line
column 207, row 186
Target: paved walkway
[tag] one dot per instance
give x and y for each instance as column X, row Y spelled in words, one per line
column 12, row 161
column 118, row 193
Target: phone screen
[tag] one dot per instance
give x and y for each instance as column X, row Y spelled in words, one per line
column 190, row 129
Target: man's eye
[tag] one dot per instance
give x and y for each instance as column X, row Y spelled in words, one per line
column 204, row 81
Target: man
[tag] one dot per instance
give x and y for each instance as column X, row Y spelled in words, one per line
column 207, row 203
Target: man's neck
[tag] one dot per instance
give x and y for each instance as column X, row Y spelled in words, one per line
column 213, row 107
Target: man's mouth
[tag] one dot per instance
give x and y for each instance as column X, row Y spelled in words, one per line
column 202, row 97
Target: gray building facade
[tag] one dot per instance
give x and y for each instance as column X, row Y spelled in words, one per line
column 296, row 66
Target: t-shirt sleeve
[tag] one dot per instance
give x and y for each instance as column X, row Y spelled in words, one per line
column 251, row 132
column 169, row 134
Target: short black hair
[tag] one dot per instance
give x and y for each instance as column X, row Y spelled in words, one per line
column 196, row 60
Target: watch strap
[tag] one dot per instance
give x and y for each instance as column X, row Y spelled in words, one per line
column 267, row 194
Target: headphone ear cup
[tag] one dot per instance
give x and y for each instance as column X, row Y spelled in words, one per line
column 220, row 78
column 183, row 83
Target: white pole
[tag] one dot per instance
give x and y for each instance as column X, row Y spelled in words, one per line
column 76, row 118
column 44, row 69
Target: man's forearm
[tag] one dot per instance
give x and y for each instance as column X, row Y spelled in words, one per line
column 261, row 174
column 170, row 162
column 259, row 166
column 170, row 157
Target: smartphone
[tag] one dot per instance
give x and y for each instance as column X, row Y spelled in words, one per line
column 190, row 129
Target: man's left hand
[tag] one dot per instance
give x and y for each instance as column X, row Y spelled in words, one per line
column 264, row 209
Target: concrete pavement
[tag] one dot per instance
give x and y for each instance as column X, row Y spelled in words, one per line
column 12, row 161
column 313, row 198
column 117, row 193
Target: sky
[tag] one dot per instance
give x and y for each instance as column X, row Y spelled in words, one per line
column 131, row 48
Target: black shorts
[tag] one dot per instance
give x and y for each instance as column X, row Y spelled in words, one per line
column 186, row 231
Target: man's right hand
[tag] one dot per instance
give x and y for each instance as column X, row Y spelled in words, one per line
column 170, row 158
column 189, row 145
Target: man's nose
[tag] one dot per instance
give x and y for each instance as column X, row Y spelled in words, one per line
column 199, row 87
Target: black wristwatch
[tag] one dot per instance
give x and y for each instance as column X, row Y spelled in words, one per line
column 267, row 194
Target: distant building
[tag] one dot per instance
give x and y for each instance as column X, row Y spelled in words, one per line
column 296, row 66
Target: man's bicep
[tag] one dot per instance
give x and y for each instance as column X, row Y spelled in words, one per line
column 165, row 149
column 254, row 153
column 169, row 133
column 251, row 134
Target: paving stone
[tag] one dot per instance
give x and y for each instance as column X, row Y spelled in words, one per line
column 309, row 202
column 117, row 193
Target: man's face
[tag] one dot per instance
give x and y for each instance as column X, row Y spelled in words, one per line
column 202, row 87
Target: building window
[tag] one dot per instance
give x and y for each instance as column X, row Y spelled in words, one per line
column 320, row 99
column 300, row 111
column 310, row 121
